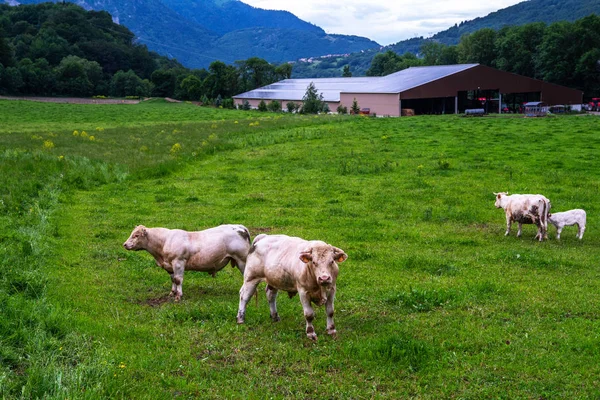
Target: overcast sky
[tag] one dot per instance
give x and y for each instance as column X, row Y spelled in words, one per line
column 385, row 21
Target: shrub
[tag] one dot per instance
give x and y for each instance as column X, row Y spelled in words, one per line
column 341, row 109
column 355, row 109
column 244, row 106
column 262, row 106
column 228, row 103
column 274, row 106
column 292, row 107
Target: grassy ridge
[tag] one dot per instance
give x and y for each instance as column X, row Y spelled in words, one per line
column 433, row 301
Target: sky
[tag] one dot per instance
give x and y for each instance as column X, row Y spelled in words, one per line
column 385, row 21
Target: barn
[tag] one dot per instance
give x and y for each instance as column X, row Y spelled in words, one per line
column 440, row 89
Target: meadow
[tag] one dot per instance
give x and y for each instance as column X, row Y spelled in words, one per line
column 433, row 302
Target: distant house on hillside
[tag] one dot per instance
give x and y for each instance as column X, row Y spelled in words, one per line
column 444, row 89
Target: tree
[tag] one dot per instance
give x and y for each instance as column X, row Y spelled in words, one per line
column 346, row 72
column 77, row 76
column 191, row 88
column 283, row 71
column 262, row 106
column 312, row 102
column 478, row 47
column 355, row 109
column 516, row 48
column 390, row 62
column 11, row 81
column 164, row 81
column 6, row 53
column 129, row 84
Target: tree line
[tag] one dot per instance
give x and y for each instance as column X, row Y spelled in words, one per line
column 564, row 53
column 62, row 50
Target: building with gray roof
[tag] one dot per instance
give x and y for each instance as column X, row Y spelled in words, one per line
column 443, row 89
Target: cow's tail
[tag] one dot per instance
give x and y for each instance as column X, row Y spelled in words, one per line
column 545, row 212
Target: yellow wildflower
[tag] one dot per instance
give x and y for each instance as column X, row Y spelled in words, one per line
column 75, row 133
column 92, row 138
column 176, row 148
column 48, row 144
column 83, row 134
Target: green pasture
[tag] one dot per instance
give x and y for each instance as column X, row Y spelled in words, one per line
column 433, row 302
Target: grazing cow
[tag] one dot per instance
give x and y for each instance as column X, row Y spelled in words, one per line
column 525, row 209
column 294, row 265
column 176, row 250
column 567, row 218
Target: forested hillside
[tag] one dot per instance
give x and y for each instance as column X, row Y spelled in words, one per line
column 198, row 32
column 61, row 49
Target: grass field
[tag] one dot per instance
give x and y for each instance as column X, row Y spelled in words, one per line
column 433, row 301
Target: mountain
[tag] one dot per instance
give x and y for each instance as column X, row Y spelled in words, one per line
column 547, row 11
column 197, row 32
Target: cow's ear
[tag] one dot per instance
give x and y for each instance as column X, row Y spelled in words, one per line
column 339, row 255
column 144, row 231
column 306, row 257
column 499, row 195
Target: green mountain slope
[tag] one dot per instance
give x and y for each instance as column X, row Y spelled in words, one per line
column 197, row 32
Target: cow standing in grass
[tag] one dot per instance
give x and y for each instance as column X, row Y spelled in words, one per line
column 525, row 209
column 295, row 265
column 176, row 250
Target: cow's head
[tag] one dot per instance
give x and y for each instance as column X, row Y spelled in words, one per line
column 323, row 260
column 499, row 198
column 138, row 239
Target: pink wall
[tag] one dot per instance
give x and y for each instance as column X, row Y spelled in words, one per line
column 382, row 104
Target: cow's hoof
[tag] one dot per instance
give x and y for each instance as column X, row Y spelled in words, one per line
column 240, row 319
column 332, row 333
column 275, row 318
column 177, row 299
column 312, row 336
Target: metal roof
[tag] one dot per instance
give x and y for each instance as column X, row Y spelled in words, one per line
column 330, row 88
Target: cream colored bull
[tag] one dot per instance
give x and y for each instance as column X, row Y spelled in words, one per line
column 525, row 209
column 176, row 250
column 294, row 265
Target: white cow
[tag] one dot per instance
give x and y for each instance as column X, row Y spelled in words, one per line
column 568, row 218
column 525, row 209
column 176, row 250
column 294, row 265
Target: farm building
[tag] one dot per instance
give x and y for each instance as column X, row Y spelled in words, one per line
column 443, row 89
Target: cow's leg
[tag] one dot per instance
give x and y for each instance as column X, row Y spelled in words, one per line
column 246, row 292
column 329, row 309
column 558, row 231
column 580, row 230
column 520, row 230
column 239, row 263
column 173, row 285
column 508, row 224
column 177, row 278
column 272, row 297
column 309, row 315
column 539, row 235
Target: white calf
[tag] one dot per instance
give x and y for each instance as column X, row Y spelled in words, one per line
column 568, row 218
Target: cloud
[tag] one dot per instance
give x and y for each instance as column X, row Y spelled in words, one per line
column 387, row 21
